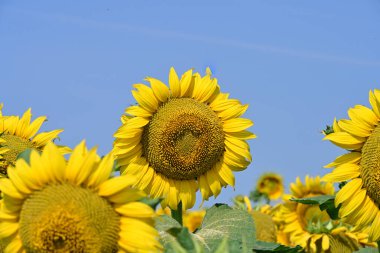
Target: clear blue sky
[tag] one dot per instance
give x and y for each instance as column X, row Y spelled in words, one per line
column 297, row 63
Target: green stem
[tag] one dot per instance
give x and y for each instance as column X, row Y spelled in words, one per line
column 378, row 246
column 177, row 214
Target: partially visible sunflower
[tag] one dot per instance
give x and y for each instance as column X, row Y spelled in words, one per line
column 360, row 135
column 56, row 206
column 18, row 134
column 180, row 139
column 311, row 228
column 270, row 184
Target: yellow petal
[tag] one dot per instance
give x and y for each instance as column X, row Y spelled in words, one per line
column 238, row 146
column 102, row 173
column 363, row 116
column 7, row 187
column 236, row 125
column 173, row 195
column 160, row 90
column 145, row 98
column 343, row 173
column 353, row 129
column 345, row 140
column 204, row 187
column 8, row 228
column 374, row 232
column 126, row 195
column 35, row 126
column 325, row 242
column 138, row 111
column 17, row 181
column 54, row 162
column 136, row 210
column 213, row 181
column 223, row 105
column 15, row 246
column 352, row 157
column 175, row 87
column 43, row 138
column 242, row 135
column 226, row 175
column 24, row 124
column 355, row 202
column 116, row 184
column 185, row 82
column 348, row 191
column 233, row 112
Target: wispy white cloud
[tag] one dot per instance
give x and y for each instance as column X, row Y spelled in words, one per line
column 214, row 40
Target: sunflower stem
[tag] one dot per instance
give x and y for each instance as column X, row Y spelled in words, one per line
column 378, row 246
column 177, row 214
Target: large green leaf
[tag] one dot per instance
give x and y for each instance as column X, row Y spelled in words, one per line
column 266, row 247
column 223, row 230
column 325, row 202
column 176, row 239
column 221, row 221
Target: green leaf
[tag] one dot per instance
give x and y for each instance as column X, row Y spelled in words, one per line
column 223, row 230
column 220, row 222
column 266, row 247
column 328, row 130
column 175, row 238
column 153, row 203
column 25, row 155
column 223, row 247
column 367, row 250
column 325, row 202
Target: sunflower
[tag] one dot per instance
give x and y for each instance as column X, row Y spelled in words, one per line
column 17, row 135
column 56, row 206
column 311, row 228
column 360, row 167
column 179, row 140
column 270, row 184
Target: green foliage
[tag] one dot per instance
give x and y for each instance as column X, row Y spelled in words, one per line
column 367, row 250
column 25, row 155
column 266, row 247
column 325, row 202
column 328, row 130
column 153, row 203
column 224, row 229
column 257, row 196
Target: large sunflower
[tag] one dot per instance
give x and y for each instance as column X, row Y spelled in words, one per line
column 360, row 197
column 18, row 134
column 311, row 228
column 56, row 206
column 180, row 139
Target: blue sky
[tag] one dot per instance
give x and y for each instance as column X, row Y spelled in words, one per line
column 298, row 64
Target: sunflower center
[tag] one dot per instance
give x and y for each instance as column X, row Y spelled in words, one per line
column 270, row 185
column 370, row 165
column 184, row 139
column 16, row 146
column 312, row 218
column 67, row 218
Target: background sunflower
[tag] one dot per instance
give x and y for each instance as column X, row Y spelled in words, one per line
column 18, row 134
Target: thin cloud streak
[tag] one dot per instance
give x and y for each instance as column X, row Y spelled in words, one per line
column 314, row 55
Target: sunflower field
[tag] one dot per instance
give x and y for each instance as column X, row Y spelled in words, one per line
column 181, row 140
